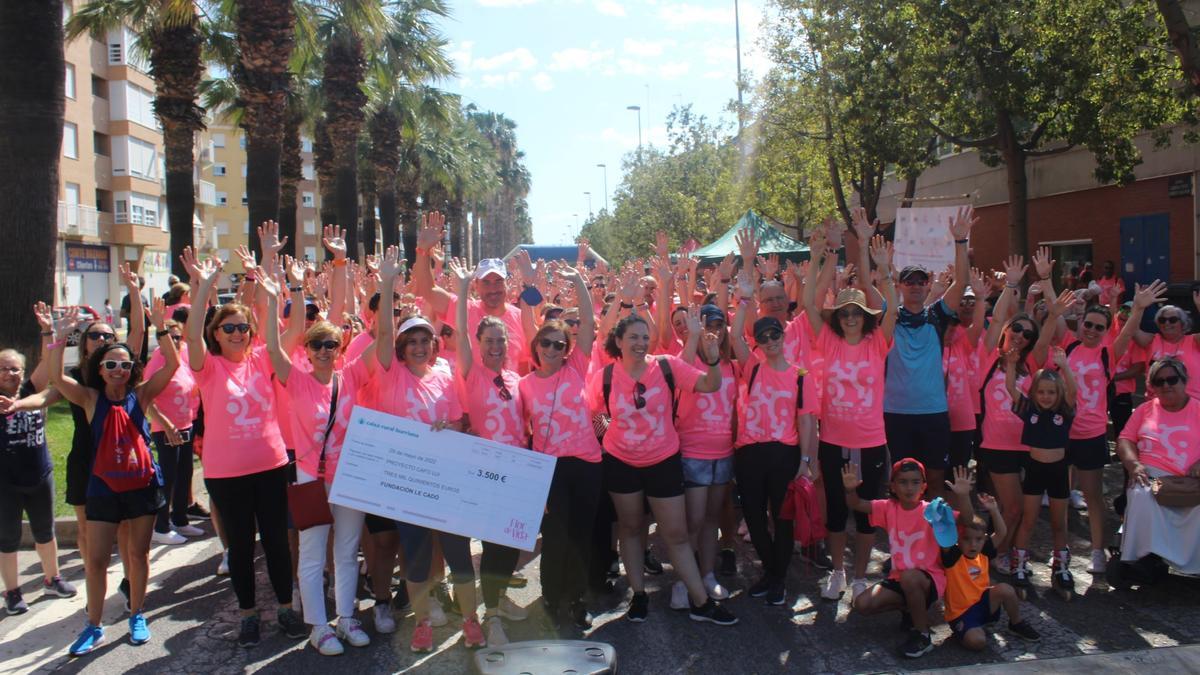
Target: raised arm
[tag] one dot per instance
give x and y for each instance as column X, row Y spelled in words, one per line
column 745, row 306
column 979, row 286
column 385, row 327
column 663, row 308
column 960, row 230
column 816, row 269
column 281, row 360
column 1060, row 359
column 84, row 397
column 136, row 338
column 1143, row 297
column 294, row 332
column 40, row 377
column 1044, row 266
column 203, row 277
column 692, row 346
column 1041, row 349
column 151, row 388
column 587, row 313
column 863, row 230
column 461, row 276
column 999, row 528
column 334, row 240
column 850, row 483
column 881, row 254
column 960, row 489
column 1014, row 271
column 724, row 277
column 428, row 237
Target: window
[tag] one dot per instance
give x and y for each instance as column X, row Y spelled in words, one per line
column 131, row 102
column 114, row 53
column 121, row 49
column 72, row 194
column 218, row 140
column 70, row 140
column 307, row 172
column 306, row 145
column 222, row 227
column 310, row 252
column 307, row 200
column 310, row 226
column 222, row 199
column 99, row 87
column 242, row 142
column 70, row 83
column 243, row 171
column 100, row 144
column 121, row 211
column 245, row 200
column 218, row 169
column 143, row 159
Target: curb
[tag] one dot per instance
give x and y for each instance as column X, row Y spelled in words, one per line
column 66, row 531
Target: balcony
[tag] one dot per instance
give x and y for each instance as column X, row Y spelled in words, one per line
column 205, row 237
column 77, row 220
column 125, row 232
column 206, row 193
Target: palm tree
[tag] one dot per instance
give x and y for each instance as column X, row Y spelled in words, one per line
column 170, row 33
column 31, row 110
column 291, row 171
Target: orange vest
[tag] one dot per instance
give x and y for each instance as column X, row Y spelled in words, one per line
column 966, row 581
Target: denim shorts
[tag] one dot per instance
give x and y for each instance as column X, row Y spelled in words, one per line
column 705, row 472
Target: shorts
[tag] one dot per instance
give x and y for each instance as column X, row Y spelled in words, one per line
column 35, row 500
column 119, row 506
column 977, row 615
column 291, row 468
column 379, row 524
column 705, row 472
column 79, row 472
column 1002, row 461
column 660, row 481
column 1088, row 454
column 962, row 444
column 925, row 438
column 1052, row 478
column 930, row 595
column 417, row 543
column 872, row 466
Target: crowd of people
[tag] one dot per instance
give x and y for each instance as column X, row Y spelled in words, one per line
column 940, row 406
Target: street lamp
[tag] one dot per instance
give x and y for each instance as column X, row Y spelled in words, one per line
column 605, row 168
column 576, row 215
column 589, row 196
column 638, row 110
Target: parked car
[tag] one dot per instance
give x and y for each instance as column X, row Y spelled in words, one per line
column 85, row 314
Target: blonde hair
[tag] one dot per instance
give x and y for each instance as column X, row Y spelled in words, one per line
column 1060, row 386
column 323, row 330
column 12, row 353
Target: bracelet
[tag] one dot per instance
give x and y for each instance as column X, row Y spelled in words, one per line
column 339, row 262
column 725, row 281
column 56, row 345
column 47, row 333
column 626, row 305
column 1008, row 285
column 421, row 250
column 295, row 289
column 806, row 460
column 161, row 333
column 961, row 241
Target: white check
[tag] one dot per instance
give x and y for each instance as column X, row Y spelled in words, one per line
column 444, row 480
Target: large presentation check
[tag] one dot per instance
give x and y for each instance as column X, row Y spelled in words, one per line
column 400, row 469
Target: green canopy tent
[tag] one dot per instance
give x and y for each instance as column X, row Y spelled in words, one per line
column 771, row 241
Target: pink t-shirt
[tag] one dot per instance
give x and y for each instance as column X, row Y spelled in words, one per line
column 518, row 346
column 960, row 358
column 427, row 399
column 767, row 411
column 309, row 416
column 798, row 349
column 1166, row 440
column 642, row 436
column 492, row 415
column 556, row 411
column 1185, row 350
column 180, row 401
column 1134, row 354
column 1091, row 399
column 705, row 422
column 852, row 404
column 241, row 428
column 358, row 345
column 910, row 540
column 1001, row 427
column 672, row 347
column 1110, row 290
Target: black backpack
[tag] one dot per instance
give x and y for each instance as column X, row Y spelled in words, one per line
column 663, row 365
column 799, row 385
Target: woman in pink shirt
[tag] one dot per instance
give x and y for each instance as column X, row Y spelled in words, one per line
column 642, row 457
column 245, row 466
column 1174, row 338
column 1161, row 439
column 555, row 410
column 854, row 340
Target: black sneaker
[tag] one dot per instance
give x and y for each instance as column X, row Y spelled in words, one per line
column 917, row 645
column 124, row 588
column 59, row 586
column 777, row 594
column 639, row 607
column 198, row 511
column 713, row 613
column 578, row 613
column 291, row 624
column 400, row 601
column 248, row 634
column 761, row 587
column 816, row 556
column 727, row 563
column 442, row 593
column 651, row 564
column 1024, row 631
column 14, row 603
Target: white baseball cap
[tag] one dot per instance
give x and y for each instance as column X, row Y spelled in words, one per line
column 416, row 322
column 491, row 266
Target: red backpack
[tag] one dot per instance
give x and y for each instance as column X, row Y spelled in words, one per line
column 801, row 507
column 123, row 461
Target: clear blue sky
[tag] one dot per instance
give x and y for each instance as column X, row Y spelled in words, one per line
column 566, row 70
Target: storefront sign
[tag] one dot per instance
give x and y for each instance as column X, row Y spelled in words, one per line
column 87, row 258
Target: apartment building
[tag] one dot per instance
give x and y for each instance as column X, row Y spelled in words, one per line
column 224, row 166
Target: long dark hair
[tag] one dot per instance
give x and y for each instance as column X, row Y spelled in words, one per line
column 1022, row 368
column 610, row 343
column 835, row 323
column 92, row 378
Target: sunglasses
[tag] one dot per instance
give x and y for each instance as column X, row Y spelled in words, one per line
column 101, row 335
column 1169, row 381
column 639, row 396
column 557, row 345
column 397, row 312
column 229, row 328
column 177, row 338
column 1167, row 319
column 113, row 365
column 573, row 323
column 318, row 345
column 1088, row 325
column 505, row 394
column 1027, row 333
column 915, row 282
column 851, row 313
column 347, row 327
column 769, row 336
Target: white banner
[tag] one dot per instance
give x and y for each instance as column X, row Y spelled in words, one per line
column 444, row 480
column 923, row 237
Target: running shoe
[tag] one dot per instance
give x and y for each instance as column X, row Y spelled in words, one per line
column 1099, row 561
column 679, row 596
column 59, row 586
column 89, row 639
column 422, row 639
column 857, row 588
column 436, row 616
column 639, row 607
column 713, row 612
column 248, row 633
column 777, row 594
column 291, row 624
column 139, row 632
column 651, row 564
column 473, row 633
column 835, row 585
column 189, row 531
column 223, row 566
column 1024, row 631
column 170, row 538
column 325, row 641
column 495, row 632
column 917, row 645
column 384, row 623
column 196, row 510
column 715, row 590
column 1077, row 501
column 14, row 603
column 760, row 587
column 350, row 630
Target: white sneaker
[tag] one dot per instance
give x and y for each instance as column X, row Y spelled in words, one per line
column 857, row 588
column 679, row 596
column 1099, row 562
column 325, row 640
column 350, row 630
column 223, row 566
column 384, row 623
column 715, row 590
column 170, row 538
column 511, row 610
column 1077, row 501
column 495, row 632
column 437, row 617
column 835, row 585
column 190, row 531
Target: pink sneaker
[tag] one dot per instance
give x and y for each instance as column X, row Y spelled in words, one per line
column 473, row 633
column 422, row 639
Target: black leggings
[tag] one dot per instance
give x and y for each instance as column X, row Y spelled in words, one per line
column 567, row 529
column 243, row 501
column 37, row 501
column 763, row 472
column 1121, row 409
column 872, row 465
column 176, row 464
column 496, row 566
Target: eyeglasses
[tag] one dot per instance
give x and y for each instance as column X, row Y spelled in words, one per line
column 113, row 365
column 1167, row 319
column 318, row 345
column 1088, row 325
column 557, row 345
column 101, row 335
column 639, row 395
column 573, row 323
column 505, row 394
column 177, row 338
column 915, row 282
column 229, row 328
column 11, row 370
column 1168, row 381
column 769, row 336
column 397, row 312
column 1027, row 333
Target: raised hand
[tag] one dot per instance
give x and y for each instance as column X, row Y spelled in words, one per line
column 710, row 343
column 269, row 287
column 334, row 240
column 845, row 276
column 725, row 268
column 459, row 273
column 190, row 263
column 525, row 266
column 748, row 246
column 1042, row 264
column 850, row 479
column 881, row 254
column 129, row 277
column 1062, row 304
column 389, row 266
column 988, row 502
column 1144, row 296
column 961, row 485
column 693, row 320
column 745, row 287
column 568, row 273
column 44, row 316
column 432, row 228
column 979, row 284
column 817, row 242
column 1012, row 357
column 1059, row 357
column 630, row 288
column 863, row 228
column 662, row 247
column 247, row 257
column 1014, row 270
column 158, row 313
column 962, row 222
column 268, row 233
column 768, row 267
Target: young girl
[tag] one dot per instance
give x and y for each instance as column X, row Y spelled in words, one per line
column 1046, row 422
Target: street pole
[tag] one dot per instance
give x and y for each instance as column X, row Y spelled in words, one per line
column 638, row 110
column 737, row 39
column 589, row 196
column 605, row 168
